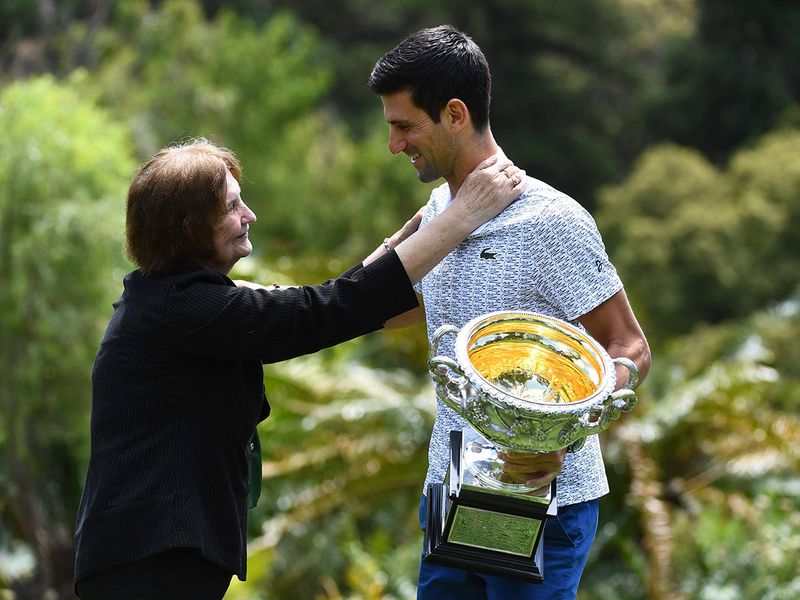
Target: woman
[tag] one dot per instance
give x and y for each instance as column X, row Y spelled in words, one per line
column 178, row 383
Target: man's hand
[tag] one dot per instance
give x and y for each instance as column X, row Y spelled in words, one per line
column 534, row 469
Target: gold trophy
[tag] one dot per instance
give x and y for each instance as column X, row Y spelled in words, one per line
column 524, row 382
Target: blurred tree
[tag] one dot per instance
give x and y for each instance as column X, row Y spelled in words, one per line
column 710, row 467
column 18, row 18
column 174, row 74
column 31, row 35
column 669, row 230
column 730, row 82
column 698, row 245
column 765, row 178
column 63, row 170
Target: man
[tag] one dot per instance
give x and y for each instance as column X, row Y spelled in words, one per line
column 543, row 254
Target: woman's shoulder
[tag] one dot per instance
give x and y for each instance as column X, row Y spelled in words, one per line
column 178, row 277
column 190, row 292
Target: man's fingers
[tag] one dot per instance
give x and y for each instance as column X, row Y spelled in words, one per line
column 539, row 482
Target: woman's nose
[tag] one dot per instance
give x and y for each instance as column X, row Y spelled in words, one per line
column 248, row 216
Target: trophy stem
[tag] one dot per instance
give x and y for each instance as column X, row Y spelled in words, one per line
column 484, row 463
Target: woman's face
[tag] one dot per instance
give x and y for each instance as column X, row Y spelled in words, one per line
column 231, row 241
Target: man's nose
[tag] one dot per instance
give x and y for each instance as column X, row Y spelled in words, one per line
column 397, row 142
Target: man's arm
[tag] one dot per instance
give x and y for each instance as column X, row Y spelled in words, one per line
column 614, row 325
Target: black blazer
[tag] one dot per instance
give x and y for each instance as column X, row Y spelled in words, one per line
column 177, row 393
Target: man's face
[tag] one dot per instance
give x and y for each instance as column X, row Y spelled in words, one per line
column 430, row 145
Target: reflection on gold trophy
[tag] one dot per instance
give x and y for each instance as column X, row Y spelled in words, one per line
column 524, row 365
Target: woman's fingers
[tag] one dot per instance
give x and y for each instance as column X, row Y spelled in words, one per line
column 486, row 163
column 492, row 186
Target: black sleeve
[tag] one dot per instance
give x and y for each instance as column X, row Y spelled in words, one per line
column 211, row 317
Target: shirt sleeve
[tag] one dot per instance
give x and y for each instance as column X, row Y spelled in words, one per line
column 212, row 317
column 572, row 270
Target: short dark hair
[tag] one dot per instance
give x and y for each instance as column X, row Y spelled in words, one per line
column 174, row 203
column 436, row 65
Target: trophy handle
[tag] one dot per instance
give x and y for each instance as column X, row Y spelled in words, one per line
column 633, row 372
column 599, row 417
column 448, row 376
column 437, row 337
column 623, row 400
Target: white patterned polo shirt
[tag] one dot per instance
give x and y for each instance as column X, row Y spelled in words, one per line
column 544, row 254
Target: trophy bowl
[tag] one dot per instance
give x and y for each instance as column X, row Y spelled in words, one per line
column 528, row 382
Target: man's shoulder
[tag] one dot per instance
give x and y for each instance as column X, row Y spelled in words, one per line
column 538, row 203
column 539, row 192
column 543, row 200
column 437, row 201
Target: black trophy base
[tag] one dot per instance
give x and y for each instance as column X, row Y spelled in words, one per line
column 438, row 550
column 484, row 529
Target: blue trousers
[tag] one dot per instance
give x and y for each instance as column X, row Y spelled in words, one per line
column 567, row 540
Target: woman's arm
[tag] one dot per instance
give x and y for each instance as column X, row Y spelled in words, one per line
column 415, row 316
column 484, row 194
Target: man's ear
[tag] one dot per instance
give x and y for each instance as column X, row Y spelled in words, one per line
column 456, row 115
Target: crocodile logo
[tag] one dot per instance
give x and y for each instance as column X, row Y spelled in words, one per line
column 485, row 253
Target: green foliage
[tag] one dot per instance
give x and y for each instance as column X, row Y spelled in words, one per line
column 732, row 80
column 174, row 75
column 717, row 431
column 766, row 177
column 703, row 474
column 696, row 245
column 63, row 169
column 668, row 230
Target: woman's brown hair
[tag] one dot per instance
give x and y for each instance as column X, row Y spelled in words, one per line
column 174, row 203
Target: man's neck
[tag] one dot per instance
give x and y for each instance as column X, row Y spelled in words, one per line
column 476, row 150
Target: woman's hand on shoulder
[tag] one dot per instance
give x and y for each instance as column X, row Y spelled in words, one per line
column 489, row 189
